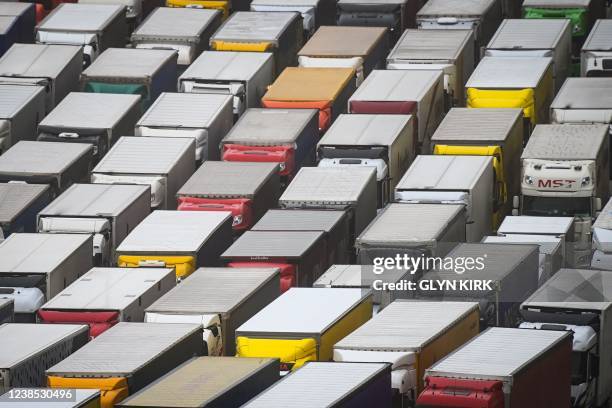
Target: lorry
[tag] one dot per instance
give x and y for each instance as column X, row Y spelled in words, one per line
column 602, row 239
column 135, row 10
column 315, row 13
column 55, row 67
column 452, row 51
column 596, row 53
column 95, row 27
column 107, row 211
column 497, row 276
column 463, row 180
column 230, row 382
column 205, row 118
column 91, row 118
column 475, row 375
column 325, row 89
column 535, row 38
column 162, row 163
column 22, row 107
column 284, row 136
column 385, row 142
column 7, row 310
column 245, row 189
column 578, row 301
column 184, row 240
column 17, row 21
column 411, row 336
column 186, row 31
column 221, row 299
column 19, row 204
column 118, row 366
column 365, row 384
column 327, row 315
column 243, row 75
column 27, row 350
column 493, row 132
column 416, row 93
column 82, row 399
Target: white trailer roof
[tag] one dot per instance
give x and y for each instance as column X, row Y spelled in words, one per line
column 287, row 3
column 526, row 224
column 397, row 85
column 484, row 124
column 26, row 253
column 175, row 23
column 325, row 306
column 584, row 93
column 547, row 243
column 430, row 45
column 108, row 288
column 14, row 97
column 253, row 26
column 12, row 8
column 226, row 65
column 128, row 63
column 270, row 244
column 214, row 290
column 566, row 142
column 365, row 130
column 123, row 349
column 458, row 8
column 442, row 172
column 357, row 276
column 299, row 220
column 497, row 353
column 529, row 34
column 509, row 72
column 36, row 60
column 28, row 157
column 80, row 17
column 604, row 219
column 15, row 198
column 556, row 3
column 600, row 38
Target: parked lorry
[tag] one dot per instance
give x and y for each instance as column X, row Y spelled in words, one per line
column 385, row 142
column 221, row 299
column 230, row 382
column 80, row 399
column 411, row 336
column 107, row 211
column 27, row 350
column 135, row 10
column 602, row 239
column 55, row 67
column 118, row 366
column 19, row 204
column 328, row 315
column 243, row 75
column 22, row 108
column 417, row 93
column 162, row 163
column 315, row 13
column 245, row 189
column 184, row 240
column 452, row 51
column 7, row 310
column 18, row 22
column 366, row 384
column 465, row 180
column 475, row 375
column 596, row 55
column 223, row 6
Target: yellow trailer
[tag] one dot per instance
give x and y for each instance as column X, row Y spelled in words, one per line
column 221, row 5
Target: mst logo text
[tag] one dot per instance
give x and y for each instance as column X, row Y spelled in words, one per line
column 555, row 183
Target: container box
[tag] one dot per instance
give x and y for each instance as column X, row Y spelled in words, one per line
column 17, row 21
column 596, row 55
column 583, row 100
column 222, row 6
column 21, row 108
column 581, row 13
column 135, row 10
column 315, row 13
column 19, row 204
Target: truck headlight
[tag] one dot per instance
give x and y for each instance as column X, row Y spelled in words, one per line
column 586, row 181
column 529, row 180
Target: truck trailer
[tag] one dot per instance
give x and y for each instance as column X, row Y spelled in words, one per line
column 596, row 53
column 17, row 22
column 19, row 204
column 21, row 109
column 315, row 13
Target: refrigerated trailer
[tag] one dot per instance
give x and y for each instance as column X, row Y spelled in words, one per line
column 21, row 109
column 17, row 21
column 135, row 10
column 19, row 204
column 7, row 310
column 315, row 13
column 596, row 53
column 221, row 299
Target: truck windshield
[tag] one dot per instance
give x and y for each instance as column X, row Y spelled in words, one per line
column 579, row 367
column 557, row 206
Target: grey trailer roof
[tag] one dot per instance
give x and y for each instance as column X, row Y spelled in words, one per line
column 20, row 341
column 228, row 179
column 80, row 17
column 263, row 127
column 529, row 34
column 365, row 130
column 89, row 110
column 36, row 60
column 325, row 307
column 175, row 23
column 108, row 288
column 254, row 26
column 430, row 45
column 498, row 353
column 604, row 219
column 397, row 85
column 94, row 200
column 144, row 155
column 185, row 110
column 128, row 63
column 509, row 72
column 484, row 124
column 406, row 325
column 173, row 231
column 271, row 244
column 214, row 290
column 299, row 220
column 14, row 97
column 582, row 289
column 409, row 224
column 25, row 253
column 15, row 198
column 198, row 382
column 584, row 93
column 327, row 185
column 566, row 142
column 556, row 3
column 12, row 8
column 303, row 388
column 343, row 41
column 7, row 22
column 458, row 8
column 28, row 157
column 526, row 224
column 226, row 65
column 287, row 3
column 600, row 38
column 372, row 2
column 547, row 243
column 123, row 349
column 82, row 397
column 443, row 172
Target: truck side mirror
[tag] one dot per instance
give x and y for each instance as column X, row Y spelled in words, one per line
column 515, row 202
column 597, row 204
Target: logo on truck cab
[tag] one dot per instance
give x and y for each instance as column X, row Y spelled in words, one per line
column 555, row 183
